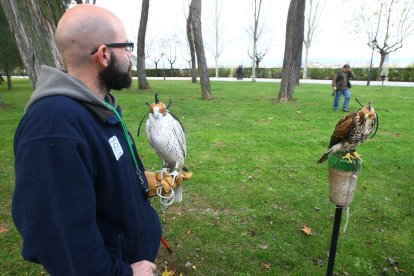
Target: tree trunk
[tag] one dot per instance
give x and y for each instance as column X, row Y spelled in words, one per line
column 305, row 64
column 9, row 78
column 379, row 71
column 142, row 77
column 2, row 104
column 33, row 24
column 156, row 69
column 217, row 69
column 256, row 34
column 199, row 47
column 190, row 36
column 293, row 49
column 253, row 61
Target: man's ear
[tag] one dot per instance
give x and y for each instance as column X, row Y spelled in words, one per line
column 104, row 55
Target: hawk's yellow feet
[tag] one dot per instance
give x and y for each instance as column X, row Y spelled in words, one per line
column 349, row 157
column 357, row 156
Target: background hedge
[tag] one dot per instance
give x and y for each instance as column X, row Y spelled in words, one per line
column 394, row 74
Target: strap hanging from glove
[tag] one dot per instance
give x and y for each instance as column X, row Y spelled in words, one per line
column 155, row 182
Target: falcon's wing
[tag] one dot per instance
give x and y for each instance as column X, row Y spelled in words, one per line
column 180, row 136
column 342, row 129
column 149, row 133
column 157, row 138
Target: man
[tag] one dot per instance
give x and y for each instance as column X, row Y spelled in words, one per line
column 341, row 86
column 80, row 201
column 239, row 72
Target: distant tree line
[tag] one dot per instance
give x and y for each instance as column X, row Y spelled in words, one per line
column 394, row 74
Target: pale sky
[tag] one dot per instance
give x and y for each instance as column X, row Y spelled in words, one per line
column 336, row 42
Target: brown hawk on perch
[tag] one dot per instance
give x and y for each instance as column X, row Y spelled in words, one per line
column 350, row 132
column 165, row 134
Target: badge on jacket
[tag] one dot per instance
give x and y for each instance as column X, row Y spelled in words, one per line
column 116, row 147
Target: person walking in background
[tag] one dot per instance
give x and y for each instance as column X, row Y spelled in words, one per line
column 81, row 196
column 1, row 78
column 341, row 85
column 240, row 72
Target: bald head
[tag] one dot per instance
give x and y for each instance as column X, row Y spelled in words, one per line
column 82, row 29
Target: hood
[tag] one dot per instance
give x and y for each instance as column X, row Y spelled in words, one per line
column 53, row 82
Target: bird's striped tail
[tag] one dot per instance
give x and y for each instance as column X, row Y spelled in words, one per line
column 324, row 157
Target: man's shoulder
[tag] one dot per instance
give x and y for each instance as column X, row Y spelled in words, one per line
column 58, row 110
column 58, row 104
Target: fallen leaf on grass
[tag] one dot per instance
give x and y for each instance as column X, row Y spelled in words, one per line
column 394, row 264
column 167, row 272
column 307, row 230
column 189, row 265
column 263, row 246
column 3, row 229
column 266, row 265
column 391, row 261
column 398, row 270
column 317, row 261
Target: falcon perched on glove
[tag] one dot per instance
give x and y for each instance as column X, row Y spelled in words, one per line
column 165, row 134
column 350, row 132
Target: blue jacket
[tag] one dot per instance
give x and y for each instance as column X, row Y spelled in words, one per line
column 79, row 203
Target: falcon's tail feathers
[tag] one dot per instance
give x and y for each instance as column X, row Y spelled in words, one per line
column 324, row 157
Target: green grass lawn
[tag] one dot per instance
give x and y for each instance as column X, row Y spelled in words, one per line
column 256, row 182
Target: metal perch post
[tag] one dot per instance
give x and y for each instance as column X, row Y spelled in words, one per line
column 334, row 240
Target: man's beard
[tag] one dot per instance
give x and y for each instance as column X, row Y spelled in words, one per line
column 112, row 76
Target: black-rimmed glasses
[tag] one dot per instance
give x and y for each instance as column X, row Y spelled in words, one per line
column 129, row 46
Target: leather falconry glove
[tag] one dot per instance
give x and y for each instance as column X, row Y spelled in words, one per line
column 154, row 181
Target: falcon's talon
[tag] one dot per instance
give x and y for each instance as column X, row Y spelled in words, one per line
column 357, row 156
column 349, row 157
column 163, row 171
column 174, row 174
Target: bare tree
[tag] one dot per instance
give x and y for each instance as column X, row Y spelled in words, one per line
column 155, row 56
column 187, row 57
column 33, row 24
column 293, row 49
column 386, row 27
column 195, row 11
column 142, row 77
column 156, row 60
column 190, row 37
column 260, row 54
column 216, row 34
column 255, row 31
column 153, row 51
column 172, row 58
column 312, row 22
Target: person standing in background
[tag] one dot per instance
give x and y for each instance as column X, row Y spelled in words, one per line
column 341, row 86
